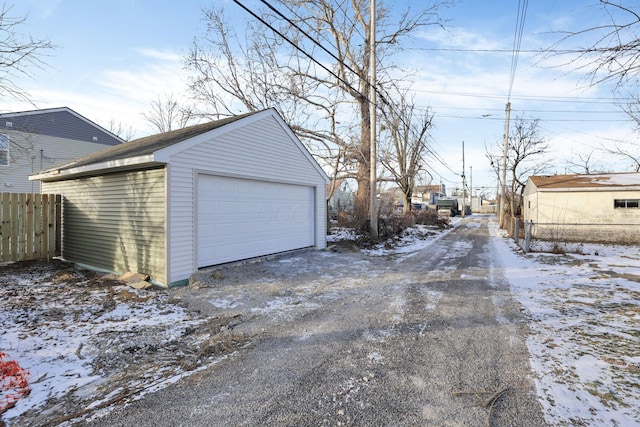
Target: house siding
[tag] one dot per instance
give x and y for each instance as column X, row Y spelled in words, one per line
column 257, row 150
column 58, row 123
column 37, row 152
column 584, row 207
column 115, row 221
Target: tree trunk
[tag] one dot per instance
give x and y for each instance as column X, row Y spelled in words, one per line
column 363, row 173
column 406, row 199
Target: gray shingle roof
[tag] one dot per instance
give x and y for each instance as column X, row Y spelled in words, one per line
column 147, row 145
column 60, row 122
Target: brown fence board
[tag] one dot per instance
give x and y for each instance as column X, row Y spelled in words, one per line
column 37, row 234
column 5, row 225
column 29, row 226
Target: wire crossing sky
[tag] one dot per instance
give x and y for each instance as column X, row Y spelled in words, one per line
column 517, row 42
column 463, row 71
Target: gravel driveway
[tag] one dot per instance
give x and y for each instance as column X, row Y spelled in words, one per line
column 428, row 339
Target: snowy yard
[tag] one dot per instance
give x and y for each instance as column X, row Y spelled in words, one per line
column 89, row 342
column 585, row 341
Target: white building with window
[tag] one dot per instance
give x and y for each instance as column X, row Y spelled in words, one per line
column 594, row 207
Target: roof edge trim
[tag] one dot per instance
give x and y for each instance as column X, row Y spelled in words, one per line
column 55, row 174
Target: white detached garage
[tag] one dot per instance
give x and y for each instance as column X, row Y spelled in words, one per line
column 213, row 193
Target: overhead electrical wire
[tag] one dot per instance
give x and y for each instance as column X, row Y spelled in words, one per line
column 307, row 35
column 517, row 42
column 298, row 47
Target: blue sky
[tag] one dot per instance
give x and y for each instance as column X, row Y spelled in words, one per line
column 113, row 58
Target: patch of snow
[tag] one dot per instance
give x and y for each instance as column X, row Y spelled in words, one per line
column 584, row 342
column 225, row 303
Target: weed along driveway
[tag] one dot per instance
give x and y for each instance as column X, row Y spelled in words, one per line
column 429, row 338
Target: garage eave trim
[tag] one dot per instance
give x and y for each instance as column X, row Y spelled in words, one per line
column 56, row 174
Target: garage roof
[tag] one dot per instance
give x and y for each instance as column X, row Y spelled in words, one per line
column 146, row 145
column 584, row 181
column 152, row 150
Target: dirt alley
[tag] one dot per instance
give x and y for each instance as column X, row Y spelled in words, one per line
column 432, row 338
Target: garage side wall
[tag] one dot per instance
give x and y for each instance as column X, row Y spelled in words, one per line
column 583, row 215
column 257, row 150
column 115, row 221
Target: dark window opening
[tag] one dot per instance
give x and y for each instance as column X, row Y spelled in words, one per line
column 4, row 150
column 626, row 203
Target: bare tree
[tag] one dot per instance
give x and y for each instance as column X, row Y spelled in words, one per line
column 319, row 82
column 525, row 151
column 584, row 164
column 630, row 154
column 120, row 129
column 167, row 114
column 612, row 49
column 19, row 54
column 403, row 154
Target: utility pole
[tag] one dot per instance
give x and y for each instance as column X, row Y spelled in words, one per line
column 373, row 213
column 471, row 188
column 503, row 198
column 464, row 197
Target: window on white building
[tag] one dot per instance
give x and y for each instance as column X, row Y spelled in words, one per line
column 4, row 150
column 626, row 203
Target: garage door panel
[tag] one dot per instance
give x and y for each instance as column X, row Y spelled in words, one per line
column 239, row 218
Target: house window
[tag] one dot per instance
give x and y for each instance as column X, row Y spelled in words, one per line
column 4, row 150
column 626, row 203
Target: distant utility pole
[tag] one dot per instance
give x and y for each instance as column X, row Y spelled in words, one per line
column 373, row 212
column 464, row 197
column 471, row 187
column 503, row 198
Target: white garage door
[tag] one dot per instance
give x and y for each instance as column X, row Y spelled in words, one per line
column 241, row 218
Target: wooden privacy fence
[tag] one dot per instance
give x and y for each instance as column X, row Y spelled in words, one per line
column 29, row 226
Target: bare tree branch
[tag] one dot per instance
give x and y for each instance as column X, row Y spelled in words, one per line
column 19, row 54
column 613, row 50
column 525, row 150
column 325, row 102
column 403, row 156
column 167, row 114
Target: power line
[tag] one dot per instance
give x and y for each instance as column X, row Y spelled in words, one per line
column 477, row 50
column 517, row 41
column 377, row 90
column 542, row 98
column 317, row 43
column 308, row 55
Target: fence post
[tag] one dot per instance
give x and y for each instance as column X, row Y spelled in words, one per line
column 37, row 229
column 528, row 226
column 516, row 230
column 58, row 250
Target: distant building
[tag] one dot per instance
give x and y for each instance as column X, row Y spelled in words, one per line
column 31, row 141
column 598, row 207
column 428, row 195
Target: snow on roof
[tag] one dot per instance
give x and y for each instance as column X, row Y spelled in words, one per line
column 587, row 180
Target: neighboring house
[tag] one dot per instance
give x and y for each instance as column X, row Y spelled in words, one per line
column 342, row 197
column 601, row 207
column 171, row 203
column 35, row 140
column 428, row 194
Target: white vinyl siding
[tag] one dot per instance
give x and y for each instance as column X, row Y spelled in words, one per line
column 31, row 153
column 255, row 149
column 115, row 221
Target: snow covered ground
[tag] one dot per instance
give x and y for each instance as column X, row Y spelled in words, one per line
column 585, row 317
column 584, row 343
